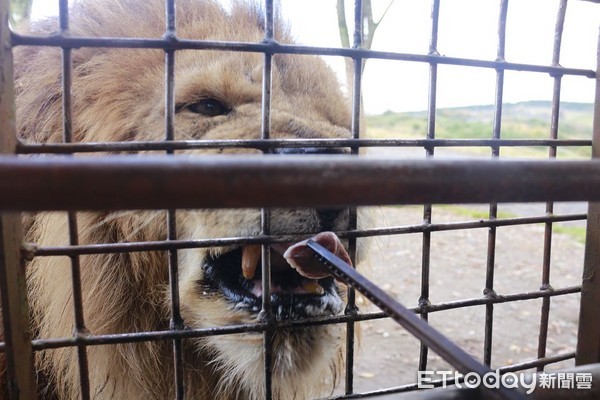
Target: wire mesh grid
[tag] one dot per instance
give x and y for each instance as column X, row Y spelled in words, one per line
column 170, row 43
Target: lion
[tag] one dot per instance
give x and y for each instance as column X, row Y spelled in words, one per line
column 118, row 95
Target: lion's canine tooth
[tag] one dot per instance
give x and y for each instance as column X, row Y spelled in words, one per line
column 250, row 256
column 312, row 287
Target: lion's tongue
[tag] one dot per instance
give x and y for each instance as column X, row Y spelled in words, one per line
column 302, row 258
column 299, row 256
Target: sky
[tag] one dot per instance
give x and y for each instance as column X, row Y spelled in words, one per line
column 467, row 28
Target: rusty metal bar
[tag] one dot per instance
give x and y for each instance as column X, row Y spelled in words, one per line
column 538, row 362
column 357, row 113
column 259, row 144
column 266, row 313
column 17, row 362
column 67, row 135
column 588, row 337
column 124, row 182
column 429, row 152
column 31, row 250
column 59, row 40
column 493, row 210
column 418, row 327
column 176, row 321
column 18, row 359
column 547, row 250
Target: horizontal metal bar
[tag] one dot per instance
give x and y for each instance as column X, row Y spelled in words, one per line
column 129, row 182
column 452, row 226
column 91, row 340
column 540, row 362
column 411, row 387
column 498, row 298
column 479, row 301
column 31, row 250
column 259, row 144
column 61, row 40
column 41, row 344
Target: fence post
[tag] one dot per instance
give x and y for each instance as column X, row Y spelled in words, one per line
column 588, row 337
column 18, row 354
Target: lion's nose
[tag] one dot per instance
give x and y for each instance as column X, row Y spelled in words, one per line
column 327, row 217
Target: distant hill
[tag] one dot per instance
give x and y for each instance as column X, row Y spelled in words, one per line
column 525, row 120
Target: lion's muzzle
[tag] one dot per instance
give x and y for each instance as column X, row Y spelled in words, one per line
column 300, row 287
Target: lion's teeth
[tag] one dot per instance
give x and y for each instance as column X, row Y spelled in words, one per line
column 250, row 256
column 312, row 287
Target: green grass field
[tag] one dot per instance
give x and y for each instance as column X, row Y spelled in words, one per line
column 526, row 120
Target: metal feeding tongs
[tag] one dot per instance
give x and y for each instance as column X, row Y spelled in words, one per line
column 445, row 348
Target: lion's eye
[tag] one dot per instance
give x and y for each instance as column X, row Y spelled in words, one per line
column 208, row 107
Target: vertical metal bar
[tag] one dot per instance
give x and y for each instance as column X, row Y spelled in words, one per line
column 493, row 213
column 545, row 312
column 351, row 307
column 67, row 116
column 176, row 321
column 18, row 355
column 427, row 208
column 588, row 336
column 266, row 311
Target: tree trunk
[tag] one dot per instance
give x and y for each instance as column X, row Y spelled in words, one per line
column 20, row 10
column 368, row 33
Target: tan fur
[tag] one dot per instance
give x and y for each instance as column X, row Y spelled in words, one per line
column 118, row 95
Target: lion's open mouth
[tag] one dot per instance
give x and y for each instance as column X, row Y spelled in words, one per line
column 237, row 275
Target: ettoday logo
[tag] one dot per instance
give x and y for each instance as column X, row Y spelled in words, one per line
column 493, row 380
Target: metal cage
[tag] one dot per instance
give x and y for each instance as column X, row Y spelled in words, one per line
column 30, row 183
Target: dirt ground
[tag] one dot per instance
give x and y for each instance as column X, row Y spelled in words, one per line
column 388, row 355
